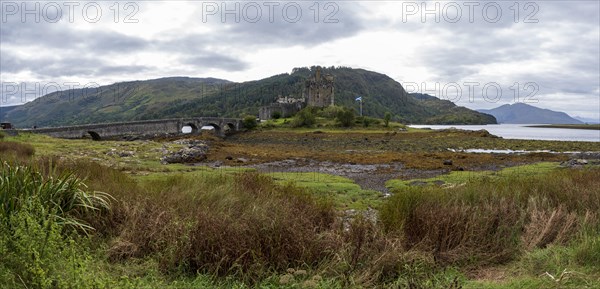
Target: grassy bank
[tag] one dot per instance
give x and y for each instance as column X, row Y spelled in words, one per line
column 571, row 126
column 246, row 230
column 176, row 226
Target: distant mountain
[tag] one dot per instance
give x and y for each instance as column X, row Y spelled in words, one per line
column 4, row 110
column 123, row 101
column 182, row 96
column 587, row 119
column 528, row 114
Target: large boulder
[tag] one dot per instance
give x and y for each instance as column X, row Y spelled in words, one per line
column 194, row 152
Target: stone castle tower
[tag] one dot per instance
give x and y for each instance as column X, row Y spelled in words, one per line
column 319, row 90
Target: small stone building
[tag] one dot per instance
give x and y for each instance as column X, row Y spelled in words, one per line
column 284, row 106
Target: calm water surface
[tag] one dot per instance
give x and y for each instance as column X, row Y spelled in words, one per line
column 521, row 131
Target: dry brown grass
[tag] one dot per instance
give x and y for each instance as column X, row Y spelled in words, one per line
column 554, row 226
column 144, row 228
column 463, row 233
column 244, row 225
column 486, row 223
column 262, row 228
column 15, row 150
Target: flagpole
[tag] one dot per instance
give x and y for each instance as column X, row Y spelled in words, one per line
column 360, row 99
column 361, row 106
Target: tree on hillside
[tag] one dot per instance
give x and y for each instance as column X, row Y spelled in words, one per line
column 386, row 118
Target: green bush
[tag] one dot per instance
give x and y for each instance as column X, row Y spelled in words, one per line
column 367, row 121
column 249, row 122
column 37, row 243
column 35, row 253
column 268, row 124
column 329, row 112
column 304, row 118
column 345, row 117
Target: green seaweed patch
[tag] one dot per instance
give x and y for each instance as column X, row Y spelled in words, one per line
column 458, row 178
column 345, row 193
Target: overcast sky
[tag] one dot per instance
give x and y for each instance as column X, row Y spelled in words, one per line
column 478, row 54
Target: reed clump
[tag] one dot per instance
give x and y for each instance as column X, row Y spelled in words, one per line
column 489, row 222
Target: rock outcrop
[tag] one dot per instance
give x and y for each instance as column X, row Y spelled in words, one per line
column 194, row 152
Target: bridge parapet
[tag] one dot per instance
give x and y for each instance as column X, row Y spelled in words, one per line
column 143, row 128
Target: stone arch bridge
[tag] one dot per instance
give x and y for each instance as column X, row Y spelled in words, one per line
column 143, row 128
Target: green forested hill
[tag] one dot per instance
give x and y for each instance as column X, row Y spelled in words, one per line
column 182, row 96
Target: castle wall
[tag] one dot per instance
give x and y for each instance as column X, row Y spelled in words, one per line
column 285, row 109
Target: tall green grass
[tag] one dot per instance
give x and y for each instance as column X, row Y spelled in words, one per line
column 63, row 198
column 40, row 216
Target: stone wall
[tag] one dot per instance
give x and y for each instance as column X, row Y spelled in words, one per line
column 284, row 109
column 147, row 128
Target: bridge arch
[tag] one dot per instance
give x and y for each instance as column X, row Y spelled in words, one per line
column 189, row 128
column 217, row 127
column 94, row 135
column 229, row 128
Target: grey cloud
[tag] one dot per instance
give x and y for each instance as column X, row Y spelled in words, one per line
column 120, row 69
column 556, row 38
column 62, row 36
column 460, row 48
column 65, row 65
column 212, row 60
column 340, row 20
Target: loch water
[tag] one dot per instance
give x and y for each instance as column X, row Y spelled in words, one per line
column 523, row 131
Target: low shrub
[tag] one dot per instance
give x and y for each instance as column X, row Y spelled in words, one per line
column 38, row 213
column 304, row 118
column 330, row 112
column 366, row 121
column 268, row 124
column 345, row 117
column 36, row 253
column 249, row 122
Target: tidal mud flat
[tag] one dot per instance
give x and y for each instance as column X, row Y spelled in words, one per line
column 367, row 176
